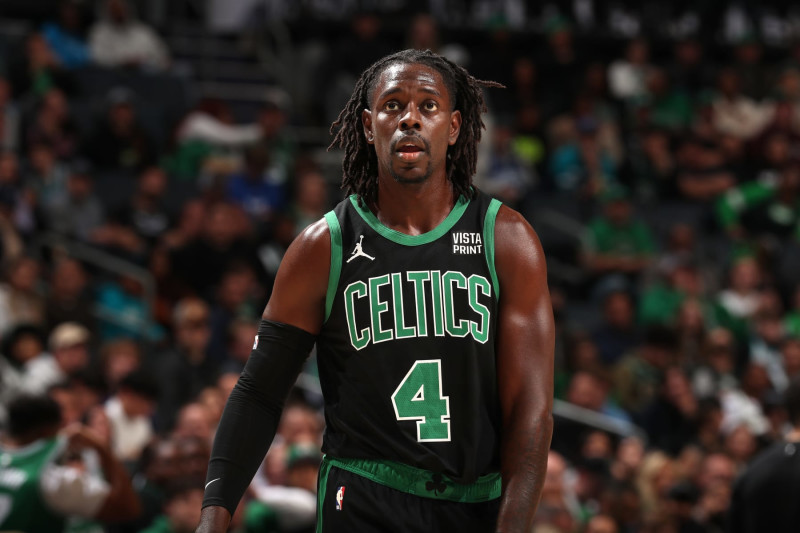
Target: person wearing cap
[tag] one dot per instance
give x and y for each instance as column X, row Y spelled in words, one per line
column 69, row 345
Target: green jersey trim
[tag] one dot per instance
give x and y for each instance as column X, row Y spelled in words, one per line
column 411, row 240
column 419, row 482
column 488, row 239
column 336, row 260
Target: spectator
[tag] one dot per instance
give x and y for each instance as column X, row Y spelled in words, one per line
column 238, row 298
column 20, row 301
column 182, row 504
column 46, row 177
column 65, row 36
column 663, row 107
column 619, row 333
column 194, row 422
column 615, row 242
column 310, row 199
column 69, row 298
column 49, row 492
column 749, row 67
column 123, row 311
column 39, row 70
column 734, row 113
column 590, row 391
column 146, row 213
column 579, row 162
column 118, row 142
column 54, row 126
column 82, row 212
column 119, row 358
column 189, row 367
column 507, row 177
column 69, row 347
column 763, row 209
column 259, row 190
column 689, row 70
column 765, row 343
column 639, row 374
column 741, row 298
column 715, row 370
column 671, row 418
column 223, row 241
column 628, row 77
column 129, row 411
column 26, row 367
column 119, row 40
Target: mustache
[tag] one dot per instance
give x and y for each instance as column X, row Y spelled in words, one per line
column 406, row 137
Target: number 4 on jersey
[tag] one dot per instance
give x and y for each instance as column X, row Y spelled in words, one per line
column 419, row 397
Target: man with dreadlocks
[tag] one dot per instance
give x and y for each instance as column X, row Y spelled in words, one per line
column 429, row 306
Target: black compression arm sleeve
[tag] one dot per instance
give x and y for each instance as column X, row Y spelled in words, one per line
column 253, row 411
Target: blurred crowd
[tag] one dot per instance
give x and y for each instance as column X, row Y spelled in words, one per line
column 663, row 178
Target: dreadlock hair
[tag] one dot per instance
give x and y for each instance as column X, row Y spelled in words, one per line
column 360, row 166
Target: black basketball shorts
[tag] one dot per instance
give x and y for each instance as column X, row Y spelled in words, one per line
column 356, row 496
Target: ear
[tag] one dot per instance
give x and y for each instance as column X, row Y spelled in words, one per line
column 366, row 121
column 455, row 127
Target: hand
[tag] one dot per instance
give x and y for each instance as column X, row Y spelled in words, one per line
column 80, row 436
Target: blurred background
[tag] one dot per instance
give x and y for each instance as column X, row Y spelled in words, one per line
column 157, row 158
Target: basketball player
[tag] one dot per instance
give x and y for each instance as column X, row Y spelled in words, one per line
column 429, row 305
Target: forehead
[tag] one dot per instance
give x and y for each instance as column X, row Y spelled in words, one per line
column 406, row 77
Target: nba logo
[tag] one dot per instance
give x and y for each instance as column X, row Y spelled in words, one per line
column 255, row 343
column 340, row 498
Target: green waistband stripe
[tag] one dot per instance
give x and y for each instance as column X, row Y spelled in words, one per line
column 336, row 260
column 488, row 239
column 420, row 482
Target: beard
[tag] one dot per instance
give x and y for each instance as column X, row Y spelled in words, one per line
column 409, row 181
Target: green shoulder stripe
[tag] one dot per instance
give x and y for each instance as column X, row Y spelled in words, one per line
column 336, row 260
column 488, row 239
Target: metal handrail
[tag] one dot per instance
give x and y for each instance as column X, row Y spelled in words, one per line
column 105, row 261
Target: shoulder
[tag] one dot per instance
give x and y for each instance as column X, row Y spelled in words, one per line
column 515, row 239
column 312, row 241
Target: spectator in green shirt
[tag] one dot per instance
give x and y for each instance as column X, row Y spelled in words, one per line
column 763, row 207
column 615, row 242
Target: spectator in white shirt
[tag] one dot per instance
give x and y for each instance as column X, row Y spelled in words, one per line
column 119, row 40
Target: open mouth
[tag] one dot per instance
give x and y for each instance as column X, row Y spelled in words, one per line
column 410, row 152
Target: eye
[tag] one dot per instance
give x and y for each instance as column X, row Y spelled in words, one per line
column 430, row 106
column 391, row 105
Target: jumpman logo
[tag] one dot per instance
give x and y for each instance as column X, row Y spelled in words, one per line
column 359, row 251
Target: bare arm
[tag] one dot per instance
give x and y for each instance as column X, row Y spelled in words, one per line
column 121, row 503
column 298, row 299
column 524, row 369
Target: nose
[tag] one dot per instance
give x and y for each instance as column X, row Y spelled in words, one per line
column 410, row 119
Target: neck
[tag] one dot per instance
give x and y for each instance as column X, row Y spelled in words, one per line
column 414, row 209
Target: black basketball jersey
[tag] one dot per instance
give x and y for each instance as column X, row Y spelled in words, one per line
column 406, row 355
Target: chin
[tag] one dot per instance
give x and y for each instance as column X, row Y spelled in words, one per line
column 411, row 181
column 408, row 177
